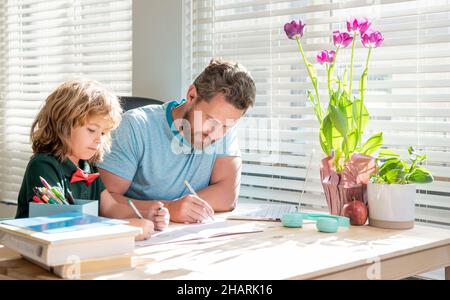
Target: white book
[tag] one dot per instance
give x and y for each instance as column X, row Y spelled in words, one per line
column 54, row 249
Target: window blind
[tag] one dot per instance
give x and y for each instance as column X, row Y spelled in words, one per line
column 408, row 89
column 43, row 43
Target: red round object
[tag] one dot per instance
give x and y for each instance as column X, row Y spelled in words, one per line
column 356, row 211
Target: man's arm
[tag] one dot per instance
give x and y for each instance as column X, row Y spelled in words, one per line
column 223, row 190
column 117, row 187
column 188, row 208
column 221, row 194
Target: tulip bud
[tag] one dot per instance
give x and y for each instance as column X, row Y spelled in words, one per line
column 325, row 56
column 358, row 24
column 372, row 39
column 294, row 29
column 341, row 39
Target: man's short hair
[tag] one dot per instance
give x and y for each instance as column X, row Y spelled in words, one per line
column 229, row 78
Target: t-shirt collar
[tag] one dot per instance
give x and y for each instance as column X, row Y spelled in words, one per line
column 174, row 132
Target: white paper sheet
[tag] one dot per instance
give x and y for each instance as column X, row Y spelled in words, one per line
column 199, row 231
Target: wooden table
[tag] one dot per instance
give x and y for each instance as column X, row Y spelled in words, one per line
column 360, row 252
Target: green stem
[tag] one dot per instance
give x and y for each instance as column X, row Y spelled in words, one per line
column 335, row 58
column 368, row 58
column 328, row 80
column 314, row 82
column 347, row 154
column 362, row 89
column 351, row 65
column 331, row 71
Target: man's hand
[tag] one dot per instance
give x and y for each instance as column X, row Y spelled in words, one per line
column 190, row 209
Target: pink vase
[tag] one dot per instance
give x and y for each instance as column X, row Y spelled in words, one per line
column 350, row 184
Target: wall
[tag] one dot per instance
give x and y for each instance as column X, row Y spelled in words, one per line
column 157, row 49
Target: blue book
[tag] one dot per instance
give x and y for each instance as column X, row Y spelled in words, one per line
column 64, row 222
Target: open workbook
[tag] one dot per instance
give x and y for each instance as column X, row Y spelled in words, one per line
column 200, row 231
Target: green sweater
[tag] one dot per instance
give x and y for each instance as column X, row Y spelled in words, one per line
column 56, row 173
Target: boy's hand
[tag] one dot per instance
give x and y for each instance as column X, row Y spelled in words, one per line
column 146, row 225
column 162, row 219
column 159, row 215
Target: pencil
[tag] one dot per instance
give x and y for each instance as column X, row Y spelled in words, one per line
column 136, row 211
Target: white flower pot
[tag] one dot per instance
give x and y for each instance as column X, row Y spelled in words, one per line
column 391, row 205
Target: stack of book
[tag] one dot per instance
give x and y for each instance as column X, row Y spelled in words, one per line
column 72, row 244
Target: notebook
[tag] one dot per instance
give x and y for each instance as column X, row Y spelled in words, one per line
column 199, row 231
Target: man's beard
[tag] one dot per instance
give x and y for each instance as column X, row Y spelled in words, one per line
column 196, row 139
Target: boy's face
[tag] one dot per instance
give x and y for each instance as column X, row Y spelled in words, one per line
column 87, row 139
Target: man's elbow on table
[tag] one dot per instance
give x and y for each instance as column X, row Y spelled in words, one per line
column 228, row 204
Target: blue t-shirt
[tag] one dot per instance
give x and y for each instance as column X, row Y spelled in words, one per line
column 151, row 153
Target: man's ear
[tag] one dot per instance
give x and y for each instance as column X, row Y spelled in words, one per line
column 191, row 94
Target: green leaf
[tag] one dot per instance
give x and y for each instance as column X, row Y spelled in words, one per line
column 387, row 153
column 421, row 158
column 330, row 136
column 345, row 99
column 356, row 114
column 390, row 164
column 325, row 143
column 334, row 98
column 339, row 120
column 351, row 140
column 392, row 169
column 311, row 97
column 395, row 176
column 337, row 156
column 326, row 135
column 336, row 139
column 420, row 175
column 372, row 144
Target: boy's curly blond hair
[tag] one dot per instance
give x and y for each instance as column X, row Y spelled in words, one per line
column 68, row 106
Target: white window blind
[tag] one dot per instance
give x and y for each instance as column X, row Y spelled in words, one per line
column 43, row 43
column 408, row 94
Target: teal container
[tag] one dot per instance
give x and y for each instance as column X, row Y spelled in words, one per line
column 90, row 207
column 292, row 219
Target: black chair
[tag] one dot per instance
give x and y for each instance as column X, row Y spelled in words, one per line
column 129, row 102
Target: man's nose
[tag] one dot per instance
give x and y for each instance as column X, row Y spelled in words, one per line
column 209, row 129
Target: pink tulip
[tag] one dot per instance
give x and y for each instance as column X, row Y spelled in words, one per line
column 294, row 29
column 325, row 56
column 358, row 24
column 372, row 39
column 341, row 39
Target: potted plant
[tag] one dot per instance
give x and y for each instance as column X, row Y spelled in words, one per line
column 346, row 169
column 392, row 189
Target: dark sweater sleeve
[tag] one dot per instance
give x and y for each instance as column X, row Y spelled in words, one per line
column 43, row 167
